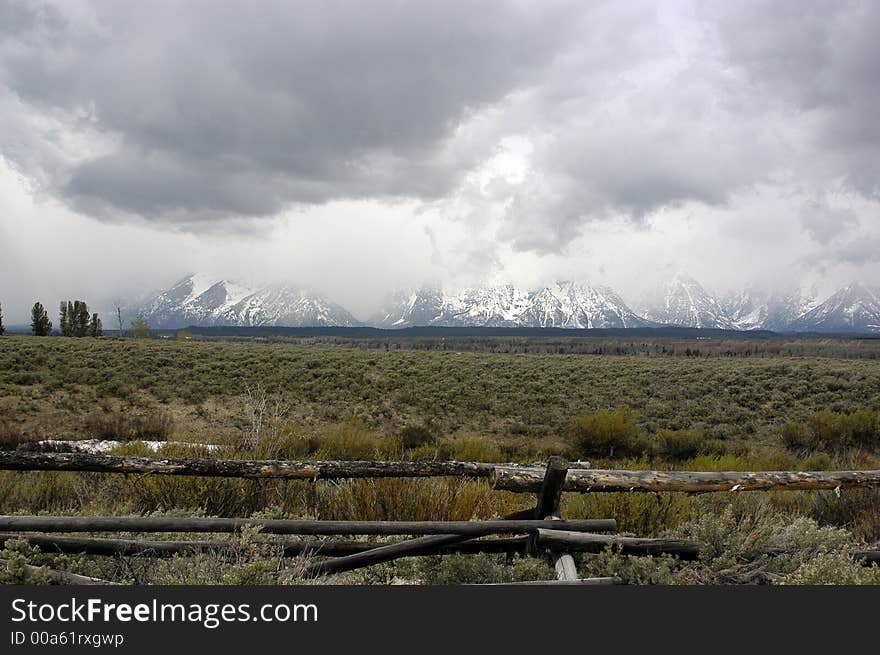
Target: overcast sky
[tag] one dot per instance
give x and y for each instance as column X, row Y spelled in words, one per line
column 356, row 147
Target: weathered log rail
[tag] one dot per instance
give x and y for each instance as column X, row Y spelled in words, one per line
column 518, row 478
column 523, row 479
column 240, row 468
column 290, row 526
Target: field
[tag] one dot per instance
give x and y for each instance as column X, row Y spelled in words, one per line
column 708, row 407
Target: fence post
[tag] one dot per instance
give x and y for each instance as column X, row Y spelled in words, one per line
column 549, row 499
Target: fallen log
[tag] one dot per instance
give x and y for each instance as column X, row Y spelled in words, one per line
column 235, row 468
column 61, row 577
column 529, row 479
column 283, row 526
column 595, row 543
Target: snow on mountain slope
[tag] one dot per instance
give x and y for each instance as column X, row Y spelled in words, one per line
column 684, row 302
column 408, row 308
column 206, row 301
column 573, row 305
column 564, row 304
column 195, row 300
column 756, row 309
column 854, row 308
column 497, row 305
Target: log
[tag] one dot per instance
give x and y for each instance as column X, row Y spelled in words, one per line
column 529, row 479
column 430, row 545
column 235, row 468
column 112, row 547
column 867, row 557
column 281, row 526
column 386, row 553
column 61, row 577
column 326, row 548
column 595, row 543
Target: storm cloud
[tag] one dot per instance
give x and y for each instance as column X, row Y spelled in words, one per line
column 479, row 138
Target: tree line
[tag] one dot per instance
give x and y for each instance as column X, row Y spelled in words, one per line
column 75, row 320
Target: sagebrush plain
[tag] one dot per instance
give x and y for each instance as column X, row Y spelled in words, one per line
column 716, row 407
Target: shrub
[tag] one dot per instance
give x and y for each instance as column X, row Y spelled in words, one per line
column 833, row 432
column 352, row 439
column 679, row 444
column 156, row 425
column 480, row 569
column 817, row 462
column 470, row 448
column 606, row 433
column 833, row 568
column 414, row 436
column 11, row 437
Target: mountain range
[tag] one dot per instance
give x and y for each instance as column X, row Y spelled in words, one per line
column 204, row 301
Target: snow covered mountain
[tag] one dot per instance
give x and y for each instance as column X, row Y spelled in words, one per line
column 757, row 309
column 204, row 301
column 409, row 308
column 564, row 304
column 573, row 305
column 854, row 308
column 684, row 302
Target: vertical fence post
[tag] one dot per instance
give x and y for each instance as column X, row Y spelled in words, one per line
column 549, row 499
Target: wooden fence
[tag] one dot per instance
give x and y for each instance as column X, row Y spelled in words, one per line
column 539, row 530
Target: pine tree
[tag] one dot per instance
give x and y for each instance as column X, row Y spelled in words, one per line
column 2, row 327
column 63, row 320
column 40, row 323
column 95, row 326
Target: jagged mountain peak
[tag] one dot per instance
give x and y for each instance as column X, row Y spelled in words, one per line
column 198, row 299
column 685, row 302
column 565, row 304
column 853, row 308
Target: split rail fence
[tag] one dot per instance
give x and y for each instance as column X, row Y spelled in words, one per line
column 535, row 531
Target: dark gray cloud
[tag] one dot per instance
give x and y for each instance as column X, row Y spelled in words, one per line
column 229, row 108
column 720, row 129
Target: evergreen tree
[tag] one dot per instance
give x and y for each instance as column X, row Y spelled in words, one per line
column 80, row 318
column 95, row 327
column 40, row 323
column 63, row 320
column 2, row 328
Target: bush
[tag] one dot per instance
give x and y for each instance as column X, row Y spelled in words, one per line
column 606, row 434
column 480, row 569
column 415, row 436
column 354, row 440
column 833, row 432
column 470, row 449
column 679, row 444
column 11, row 437
column 156, row 425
